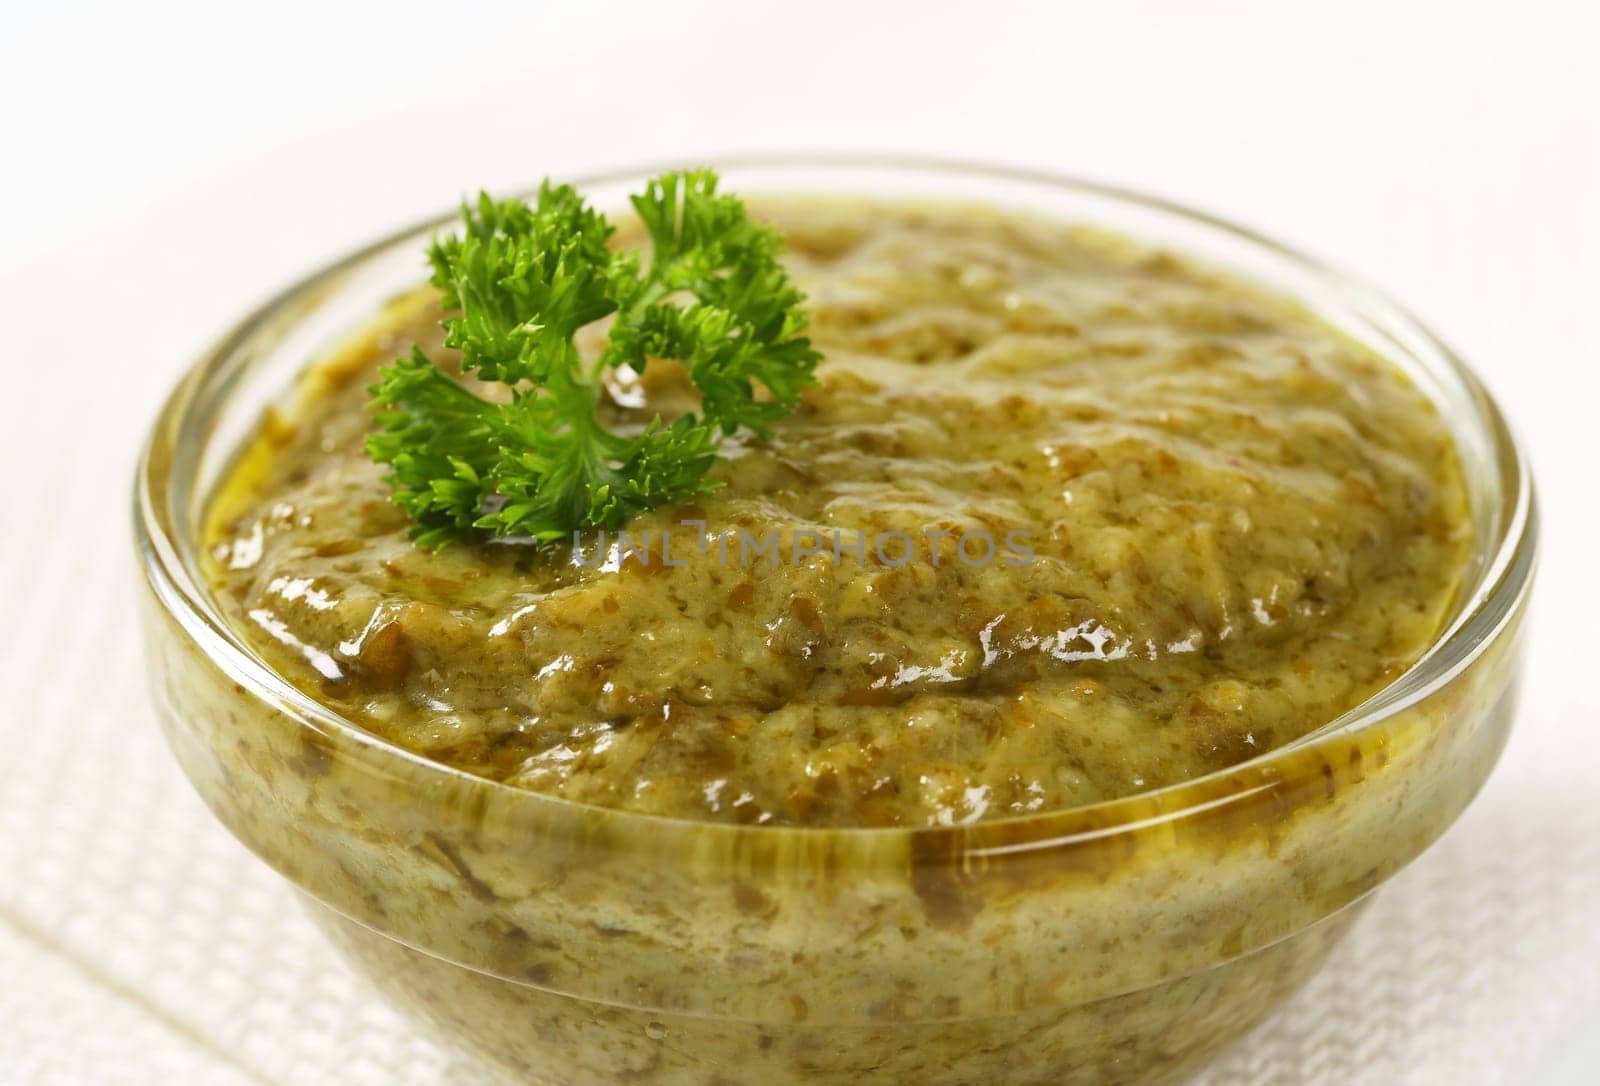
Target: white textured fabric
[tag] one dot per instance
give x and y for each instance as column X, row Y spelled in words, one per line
column 1449, row 153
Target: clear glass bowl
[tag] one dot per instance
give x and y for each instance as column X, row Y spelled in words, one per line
column 1123, row 941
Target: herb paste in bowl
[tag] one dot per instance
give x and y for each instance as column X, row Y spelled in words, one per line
column 1022, row 695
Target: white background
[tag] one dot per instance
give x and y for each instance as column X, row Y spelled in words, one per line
column 167, row 165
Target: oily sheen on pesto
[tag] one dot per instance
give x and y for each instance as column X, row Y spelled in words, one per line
column 1238, row 524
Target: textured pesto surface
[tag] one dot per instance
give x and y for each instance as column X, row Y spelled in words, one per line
column 1242, row 524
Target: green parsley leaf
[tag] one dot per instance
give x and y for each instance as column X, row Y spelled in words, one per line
column 517, row 285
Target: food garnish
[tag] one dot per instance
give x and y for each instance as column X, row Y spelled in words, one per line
column 518, row 284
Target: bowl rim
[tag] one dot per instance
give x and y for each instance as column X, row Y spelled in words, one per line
column 1490, row 604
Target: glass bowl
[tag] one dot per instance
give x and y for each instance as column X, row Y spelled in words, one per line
column 1122, row 941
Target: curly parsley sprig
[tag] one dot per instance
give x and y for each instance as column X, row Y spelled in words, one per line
column 518, row 284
